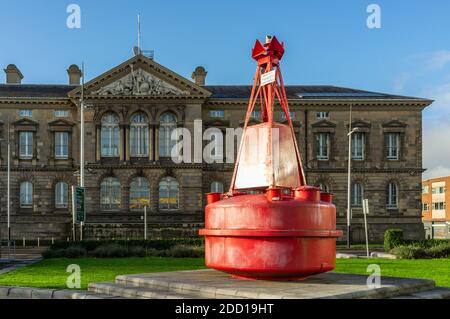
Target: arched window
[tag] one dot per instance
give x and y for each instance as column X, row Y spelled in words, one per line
column 167, row 123
column 26, row 194
column 169, row 193
column 357, row 195
column 139, row 135
column 139, row 193
column 216, row 187
column 110, row 193
column 61, row 195
column 392, row 196
column 110, row 135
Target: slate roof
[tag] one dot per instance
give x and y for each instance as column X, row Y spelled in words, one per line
column 302, row 92
column 218, row 92
column 35, row 90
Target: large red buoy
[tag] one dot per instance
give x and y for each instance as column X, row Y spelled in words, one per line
column 270, row 225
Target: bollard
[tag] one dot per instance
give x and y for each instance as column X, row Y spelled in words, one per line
column 53, row 240
column 38, row 243
column 68, row 239
column 23, row 242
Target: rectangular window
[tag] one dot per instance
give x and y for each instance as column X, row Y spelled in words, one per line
column 25, row 113
column 438, row 190
column 323, row 115
column 62, row 113
column 256, row 115
column 439, row 206
column 358, row 146
column 425, row 207
column 425, row 189
column 392, row 146
column 283, row 116
column 216, row 113
column 61, row 145
column 26, row 145
column 323, row 146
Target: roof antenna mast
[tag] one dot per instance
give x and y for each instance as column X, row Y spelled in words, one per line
column 139, row 32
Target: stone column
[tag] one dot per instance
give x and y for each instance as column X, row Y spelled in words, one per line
column 156, row 143
column 127, row 143
column 121, row 142
column 98, row 146
column 150, row 143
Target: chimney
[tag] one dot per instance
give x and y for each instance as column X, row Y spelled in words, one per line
column 74, row 74
column 199, row 75
column 13, row 74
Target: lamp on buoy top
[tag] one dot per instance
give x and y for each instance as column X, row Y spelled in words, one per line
column 270, row 224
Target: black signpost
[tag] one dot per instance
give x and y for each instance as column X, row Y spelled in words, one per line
column 79, row 211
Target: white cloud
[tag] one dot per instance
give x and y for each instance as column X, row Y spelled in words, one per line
column 439, row 59
column 436, row 150
column 400, row 82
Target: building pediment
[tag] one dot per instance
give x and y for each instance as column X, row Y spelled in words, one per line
column 360, row 123
column 140, row 77
column 61, row 122
column 25, row 122
column 324, row 124
column 394, row 124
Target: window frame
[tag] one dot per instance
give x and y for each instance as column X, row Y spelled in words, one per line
column 392, row 200
column 320, row 156
column 215, row 189
column 390, row 146
column 355, row 197
column 216, row 113
column 143, row 193
column 139, row 136
column 110, row 132
column 28, row 196
column 166, row 128
column 356, row 147
column 111, row 185
column 61, row 195
column 28, row 146
column 165, row 182
column 61, row 149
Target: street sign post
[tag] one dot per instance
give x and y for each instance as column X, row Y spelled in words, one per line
column 366, row 212
column 78, row 207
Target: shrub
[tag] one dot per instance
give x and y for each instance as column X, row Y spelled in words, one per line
column 183, row 251
column 439, row 251
column 159, row 244
column 75, row 252
column 110, row 251
column 137, row 251
column 408, row 252
column 392, row 238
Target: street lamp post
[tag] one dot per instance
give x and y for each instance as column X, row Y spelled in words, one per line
column 350, row 133
column 82, row 106
column 8, row 192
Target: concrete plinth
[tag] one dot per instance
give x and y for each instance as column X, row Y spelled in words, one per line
column 213, row 284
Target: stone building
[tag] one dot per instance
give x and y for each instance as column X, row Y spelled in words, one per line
column 436, row 207
column 131, row 111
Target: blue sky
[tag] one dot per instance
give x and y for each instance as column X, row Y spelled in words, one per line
column 327, row 42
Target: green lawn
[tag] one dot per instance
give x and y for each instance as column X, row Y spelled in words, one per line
column 434, row 269
column 51, row 273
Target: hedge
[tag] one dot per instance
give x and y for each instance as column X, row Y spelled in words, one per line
column 158, row 244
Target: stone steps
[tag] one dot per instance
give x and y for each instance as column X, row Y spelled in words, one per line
column 211, row 284
column 113, row 289
column 436, row 293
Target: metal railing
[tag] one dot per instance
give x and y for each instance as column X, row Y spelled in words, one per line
column 8, row 249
